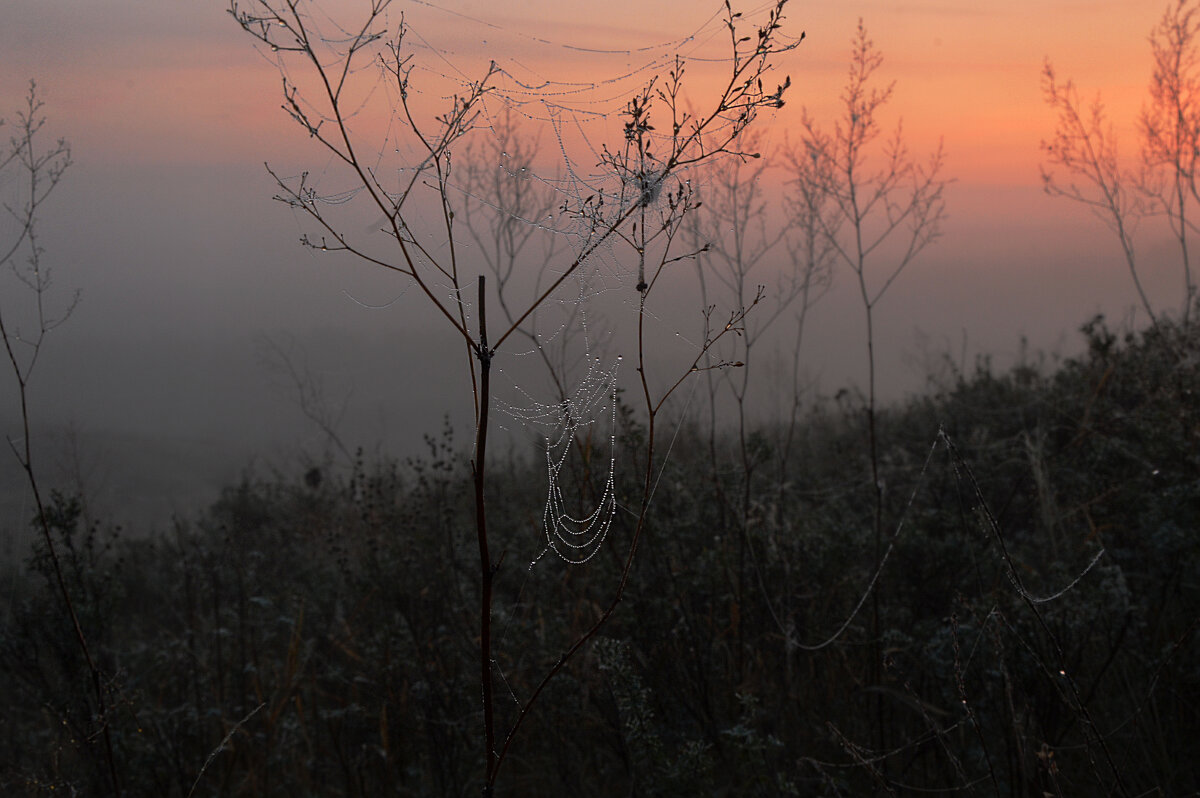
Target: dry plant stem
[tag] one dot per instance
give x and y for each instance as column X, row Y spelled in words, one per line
column 487, row 571
column 736, row 205
column 814, row 255
column 900, row 202
column 1170, row 128
column 24, row 456
column 43, row 171
column 1085, row 149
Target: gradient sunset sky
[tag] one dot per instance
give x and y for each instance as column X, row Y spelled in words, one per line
column 165, row 221
column 176, row 81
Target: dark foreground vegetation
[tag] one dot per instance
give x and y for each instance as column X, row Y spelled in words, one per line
column 318, row 635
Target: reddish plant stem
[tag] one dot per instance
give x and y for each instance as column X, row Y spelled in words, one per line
column 486, row 571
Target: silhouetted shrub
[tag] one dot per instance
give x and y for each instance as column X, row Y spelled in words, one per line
column 318, row 636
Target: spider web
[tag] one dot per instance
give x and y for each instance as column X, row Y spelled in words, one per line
column 573, row 425
column 576, row 92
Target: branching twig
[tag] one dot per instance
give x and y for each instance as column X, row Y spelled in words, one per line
column 42, row 171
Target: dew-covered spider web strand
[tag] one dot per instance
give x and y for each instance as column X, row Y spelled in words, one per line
column 579, row 86
column 576, row 424
column 577, row 539
column 963, row 471
column 882, row 561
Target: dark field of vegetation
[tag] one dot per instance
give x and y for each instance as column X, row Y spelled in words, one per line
column 318, row 635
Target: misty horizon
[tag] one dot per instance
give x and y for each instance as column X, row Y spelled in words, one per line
column 184, row 264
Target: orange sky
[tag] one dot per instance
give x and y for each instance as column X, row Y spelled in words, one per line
column 170, row 80
column 139, row 87
column 167, row 225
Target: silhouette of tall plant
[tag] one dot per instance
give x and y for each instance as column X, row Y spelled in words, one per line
column 643, row 210
column 880, row 209
column 26, row 319
column 1083, row 162
column 742, row 242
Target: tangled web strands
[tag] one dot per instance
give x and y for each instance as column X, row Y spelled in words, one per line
column 578, row 85
column 576, row 422
column 583, row 75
